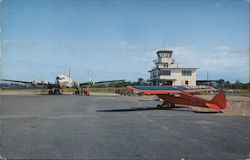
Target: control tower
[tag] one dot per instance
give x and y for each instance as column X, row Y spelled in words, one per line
column 164, row 59
column 166, row 73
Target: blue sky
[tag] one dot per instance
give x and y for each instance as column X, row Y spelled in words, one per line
column 108, row 39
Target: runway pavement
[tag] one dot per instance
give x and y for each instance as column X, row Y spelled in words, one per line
column 115, row 127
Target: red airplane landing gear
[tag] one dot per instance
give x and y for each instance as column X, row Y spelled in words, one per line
column 166, row 105
column 159, row 106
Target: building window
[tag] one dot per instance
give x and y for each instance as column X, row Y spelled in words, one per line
column 154, row 74
column 186, row 82
column 165, row 72
column 186, row 73
column 164, row 55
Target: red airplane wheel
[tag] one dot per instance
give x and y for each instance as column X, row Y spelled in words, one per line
column 159, row 106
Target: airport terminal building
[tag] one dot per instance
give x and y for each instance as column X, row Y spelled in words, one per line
column 166, row 73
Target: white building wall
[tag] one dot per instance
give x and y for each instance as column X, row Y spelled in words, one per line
column 179, row 79
column 165, row 60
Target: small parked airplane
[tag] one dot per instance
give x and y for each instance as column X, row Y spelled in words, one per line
column 181, row 95
column 62, row 82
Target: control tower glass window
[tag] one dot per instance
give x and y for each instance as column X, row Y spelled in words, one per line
column 186, row 73
column 165, row 55
column 165, row 72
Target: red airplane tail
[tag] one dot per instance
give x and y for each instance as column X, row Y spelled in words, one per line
column 218, row 102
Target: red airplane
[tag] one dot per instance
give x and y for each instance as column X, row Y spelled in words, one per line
column 183, row 96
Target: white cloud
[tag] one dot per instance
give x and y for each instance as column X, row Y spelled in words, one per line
column 220, row 3
column 221, row 60
column 182, row 51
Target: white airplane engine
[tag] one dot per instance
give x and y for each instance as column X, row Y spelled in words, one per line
column 33, row 83
column 44, row 82
column 92, row 83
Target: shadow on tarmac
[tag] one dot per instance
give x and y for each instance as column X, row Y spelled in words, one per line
column 128, row 110
column 176, row 108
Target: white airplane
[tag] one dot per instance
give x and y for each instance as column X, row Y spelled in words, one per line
column 63, row 82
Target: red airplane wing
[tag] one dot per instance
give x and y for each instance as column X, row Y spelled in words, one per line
column 153, row 90
column 169, row 95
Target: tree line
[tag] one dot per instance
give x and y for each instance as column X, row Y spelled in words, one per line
column 236, row 85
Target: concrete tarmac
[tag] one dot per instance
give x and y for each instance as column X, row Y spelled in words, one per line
column 115, row 127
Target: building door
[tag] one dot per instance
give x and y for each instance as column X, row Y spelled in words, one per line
column 154, row 83
column 167, row 83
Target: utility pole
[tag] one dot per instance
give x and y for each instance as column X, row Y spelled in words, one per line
column 69, row 73
column 207, row 78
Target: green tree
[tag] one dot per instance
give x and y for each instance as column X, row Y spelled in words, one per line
column 227, row 85
column 237, row 85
